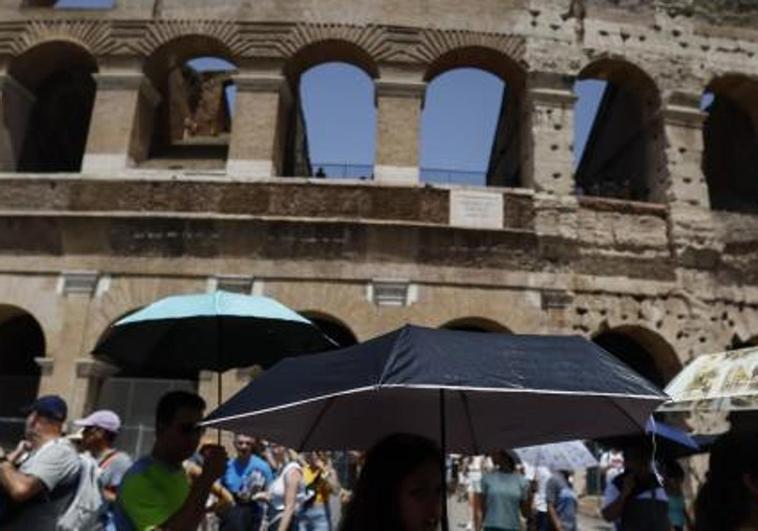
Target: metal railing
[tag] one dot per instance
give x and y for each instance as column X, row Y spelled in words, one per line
column 449, row 176
column 337, row 170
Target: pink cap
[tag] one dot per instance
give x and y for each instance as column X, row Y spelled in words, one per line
column 104, row 418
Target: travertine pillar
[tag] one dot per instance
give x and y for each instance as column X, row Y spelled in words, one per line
column 16, row 103
column 121, row 125
column 259, row 125
column 683, row 127
column 399, row 106
column 549, row 131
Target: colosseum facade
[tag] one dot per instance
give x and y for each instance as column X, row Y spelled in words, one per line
column 107, row 204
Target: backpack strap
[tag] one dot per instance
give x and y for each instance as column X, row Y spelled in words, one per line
column 104, row 461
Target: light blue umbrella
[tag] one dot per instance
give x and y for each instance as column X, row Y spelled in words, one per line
column 209, row 331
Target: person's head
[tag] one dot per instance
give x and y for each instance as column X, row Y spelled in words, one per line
column 638, row 457
column 99, row 430
column 245, row 446
column 399, row 488
column 503, row 460
column 673, row 474
column 728, row 499
column 177, row 432
column 44, row 418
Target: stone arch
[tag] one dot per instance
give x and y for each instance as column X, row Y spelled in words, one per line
column 476, row 324
column 506, row 155
column 643, row 350
column 47, row 105
column 730, row 143
column 186, row 123
column 329, row 50
column 133, row 394
column 22, row 341
column 302, row 61
column 333, row 327
column 623, row 154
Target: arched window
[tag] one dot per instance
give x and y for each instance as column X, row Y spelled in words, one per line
column 21, row 341
column 730, row 141
column 49, row 107
column 472, row 140
column 476, row 324
column 332, row 124
column 620, row 154
column 644, row 351
column 134, row 394
column 189, row 128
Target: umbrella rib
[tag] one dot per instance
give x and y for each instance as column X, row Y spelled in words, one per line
column 464, row 400
column 627, row 415
column 315, row 422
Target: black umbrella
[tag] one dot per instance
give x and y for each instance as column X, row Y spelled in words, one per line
column 471, row 391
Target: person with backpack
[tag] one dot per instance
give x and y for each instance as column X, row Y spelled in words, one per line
column 99, row 432
column 41, row 489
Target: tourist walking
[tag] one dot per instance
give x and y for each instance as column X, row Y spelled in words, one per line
column 155, row 492
column 247, row 477
column 561, row 502
column 42, row 486
column 287, row 491
column 320, row 482
column 635, row 500
column 99, row 432
column 399, row 489
column 728, row 500
column 505, row 497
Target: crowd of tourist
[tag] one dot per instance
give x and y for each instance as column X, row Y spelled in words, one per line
column 50, row 481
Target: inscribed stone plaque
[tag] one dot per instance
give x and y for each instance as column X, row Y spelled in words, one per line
column 483, row 210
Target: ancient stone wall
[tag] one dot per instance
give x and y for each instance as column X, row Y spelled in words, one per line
column 673, row 273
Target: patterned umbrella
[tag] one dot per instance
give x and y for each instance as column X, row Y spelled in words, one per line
column 569, row 455
column 726, row 381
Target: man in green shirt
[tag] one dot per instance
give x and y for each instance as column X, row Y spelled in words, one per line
column 155, row 493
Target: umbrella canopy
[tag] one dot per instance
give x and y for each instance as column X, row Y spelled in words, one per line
column 726, row 381
column 472, row 391
column 670, row 441
column 210, row 331
column 568, row 455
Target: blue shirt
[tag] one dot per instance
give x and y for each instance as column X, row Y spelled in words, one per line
column 246, row 479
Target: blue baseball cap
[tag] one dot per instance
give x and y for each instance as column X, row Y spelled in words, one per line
column 50, row 406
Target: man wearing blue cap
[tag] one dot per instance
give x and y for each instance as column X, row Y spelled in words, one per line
column 41, row 487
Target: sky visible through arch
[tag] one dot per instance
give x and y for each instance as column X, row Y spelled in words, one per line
column 457, row 125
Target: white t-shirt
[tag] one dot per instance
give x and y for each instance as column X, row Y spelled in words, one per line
column 278, row 488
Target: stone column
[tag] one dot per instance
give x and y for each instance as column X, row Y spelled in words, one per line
column 259, row 125
column 548, row 152
column 398, row 105
column 122, row 119
column 683, row 128
column 16, row 103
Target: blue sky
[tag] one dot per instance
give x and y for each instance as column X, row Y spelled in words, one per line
column 457, row 123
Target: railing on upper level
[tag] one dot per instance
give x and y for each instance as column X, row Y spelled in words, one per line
column 348, row 170
column 450, row 176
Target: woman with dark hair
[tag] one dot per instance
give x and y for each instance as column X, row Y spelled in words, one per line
column 505, row 495
column 728, row 500
column 400, row 487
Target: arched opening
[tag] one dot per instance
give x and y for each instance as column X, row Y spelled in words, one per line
column 338, row 331
column 730, row 142
column 332, row 123
column 189, row 126
column 48, row 108
column 72, row 4
column 21, row 341
column 473, row 141
column 618, row 146
column 133, row 394
column 644, row 351
column 476, row 324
